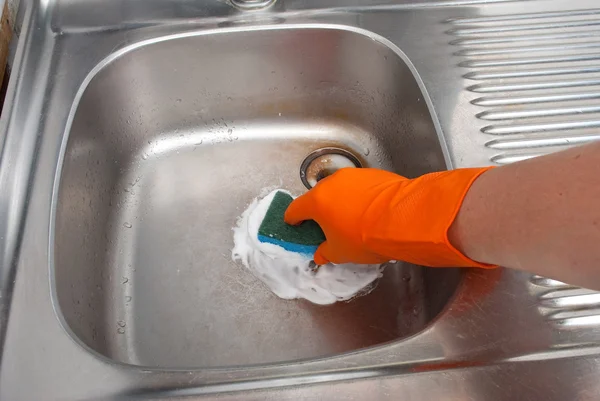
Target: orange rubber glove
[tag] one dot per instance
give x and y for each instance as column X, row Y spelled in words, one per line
column 373, row 216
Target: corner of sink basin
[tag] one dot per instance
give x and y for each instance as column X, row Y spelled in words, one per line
column 172, row 139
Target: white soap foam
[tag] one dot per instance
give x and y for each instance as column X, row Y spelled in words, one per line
column 288, row 274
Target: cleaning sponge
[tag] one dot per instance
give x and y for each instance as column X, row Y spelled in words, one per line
column 304, row 238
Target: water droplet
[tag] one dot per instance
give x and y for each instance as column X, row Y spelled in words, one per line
column 127, row 225
column 127, row 299
column 367, row 151
column 121, row 323
column 229, row 131
column 121, row 330
column 144, row 156
column 125, row 280
column 178, row 100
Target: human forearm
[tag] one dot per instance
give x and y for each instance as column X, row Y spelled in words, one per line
column 541, row 215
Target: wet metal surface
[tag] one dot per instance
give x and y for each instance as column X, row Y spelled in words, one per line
column 134, row 134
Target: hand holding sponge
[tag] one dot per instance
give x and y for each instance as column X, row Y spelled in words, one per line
column 373, row 216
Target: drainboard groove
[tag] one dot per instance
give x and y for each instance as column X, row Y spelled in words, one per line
column 548, row 282
column 526, row 86
column 501, row 115
column 519, row 18
column 509, row 62
column 523, row 27
column 491, row 101
column 509, row 129
column 506, row 73
column 565, row 306
column 541, row 141
column 498, row 39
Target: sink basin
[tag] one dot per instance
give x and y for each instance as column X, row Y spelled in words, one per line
column 172, row 140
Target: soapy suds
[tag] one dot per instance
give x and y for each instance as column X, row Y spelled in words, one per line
column 288, row 274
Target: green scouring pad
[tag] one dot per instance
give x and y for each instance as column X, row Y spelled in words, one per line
column 304, row 238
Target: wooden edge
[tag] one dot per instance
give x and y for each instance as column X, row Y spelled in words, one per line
column 5, row 36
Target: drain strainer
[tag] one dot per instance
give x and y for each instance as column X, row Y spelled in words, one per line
column 324, row 162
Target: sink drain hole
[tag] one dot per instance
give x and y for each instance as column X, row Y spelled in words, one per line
column 323, row 162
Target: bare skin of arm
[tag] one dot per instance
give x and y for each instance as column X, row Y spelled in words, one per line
column 541, row 215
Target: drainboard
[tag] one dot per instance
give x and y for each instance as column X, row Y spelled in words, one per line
column 169, row 144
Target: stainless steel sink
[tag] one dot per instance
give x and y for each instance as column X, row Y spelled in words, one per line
column 136, row 131
column 171, row 141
